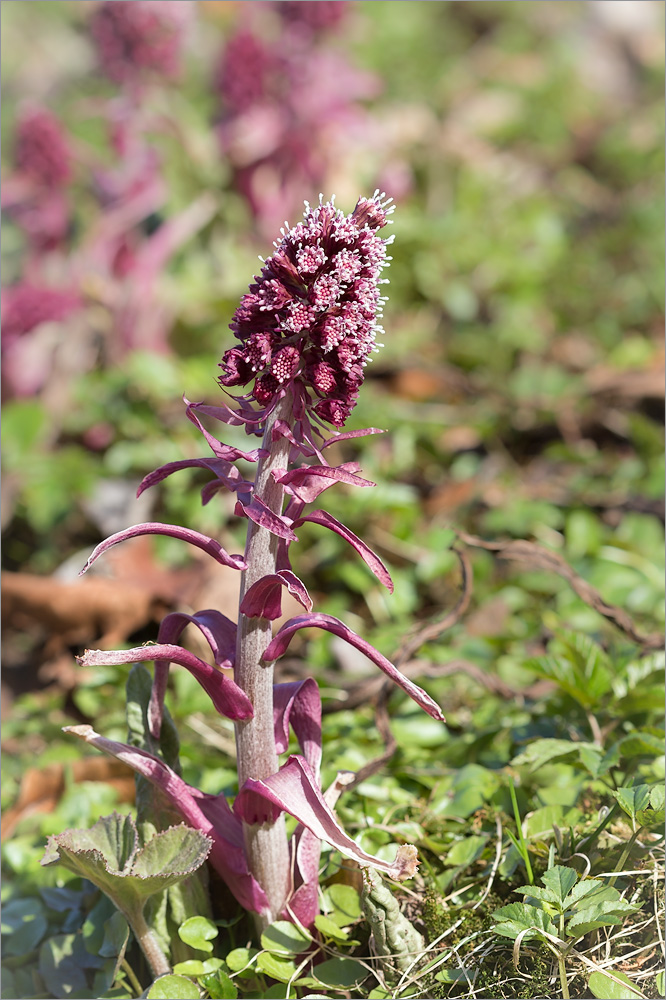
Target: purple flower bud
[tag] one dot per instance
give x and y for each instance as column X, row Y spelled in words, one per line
column 42, row 151
column 311, row 316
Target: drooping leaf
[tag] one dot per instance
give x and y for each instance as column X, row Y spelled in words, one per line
column 280, row 643
column 295, row 790
column 228, row 699
column 370, row 558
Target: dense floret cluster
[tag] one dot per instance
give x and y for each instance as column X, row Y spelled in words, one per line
column 311, row 316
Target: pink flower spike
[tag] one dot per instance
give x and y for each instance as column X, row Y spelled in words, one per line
column 229, row 700
column 278, row 648
column 208, row 545
column 367, row 555
column 209, row 813
column 263, row 599
column 299, row 704
column 258, row 512
column 295, row 790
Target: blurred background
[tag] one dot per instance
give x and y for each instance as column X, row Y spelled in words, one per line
column 152, row 150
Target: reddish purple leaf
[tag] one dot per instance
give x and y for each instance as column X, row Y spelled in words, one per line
column 298, row 704
column 220, row 633
column 220, row 450
column 294, row 789
column 209, row 813
column 308, row 482
column 208, row 545
column 278, row 648
column 227, row 474
column 264, row 598
column 227, row 697
column 370, row 558
column 346, row 435
column 258, row 512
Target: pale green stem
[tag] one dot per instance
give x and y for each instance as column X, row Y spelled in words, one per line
column 266, row 844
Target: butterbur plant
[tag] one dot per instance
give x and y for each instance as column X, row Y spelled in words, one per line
column 306, row 329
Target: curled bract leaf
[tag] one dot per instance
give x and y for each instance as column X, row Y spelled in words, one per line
column 264, row 598
column 203, row 542
column 280, row 642
column 229, row 700
column 295, row 790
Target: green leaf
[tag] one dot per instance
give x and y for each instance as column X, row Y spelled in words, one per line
column 590, row 918
column 172, row 987
column 603, row 987
column 631, row 800
column 539, row 824
column 60, row 967
column 277, row 968
column 195, row 967
column 345, row 902
column 107, row 855
column 341, row 973
column 24, row 924
column 330, row 929
column 219, row 986
column 198, row 932
column 544, row 751
column 240, row 959
column 515, row 918
column 660, row 983
column 582, row 889
column 450, row 976
column 465, row 851
column 560, row 880
column 539, row 893
column 285, row 938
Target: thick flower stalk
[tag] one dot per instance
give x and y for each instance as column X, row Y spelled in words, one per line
column 306, row 329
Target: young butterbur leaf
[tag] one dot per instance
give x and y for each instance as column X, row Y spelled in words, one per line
column 172, row 987
column 198, row 932
column 605, row 988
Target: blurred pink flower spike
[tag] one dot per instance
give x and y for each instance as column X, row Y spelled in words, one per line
column 203, row 542
column 209, row 813
column 264, row 598
column 225, row 694
column 279, row 645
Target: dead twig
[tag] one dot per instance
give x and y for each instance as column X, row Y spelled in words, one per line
column 534, row 556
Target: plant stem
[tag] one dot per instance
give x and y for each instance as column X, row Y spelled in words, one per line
column 150, row 946
column 266, row 844
column 521, row 837
column 131, row 975
column 563, row 975
column 625, row 854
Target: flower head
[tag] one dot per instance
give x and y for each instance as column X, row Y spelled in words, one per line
column 139, row 36
column 42, row 152
column 311, row 317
